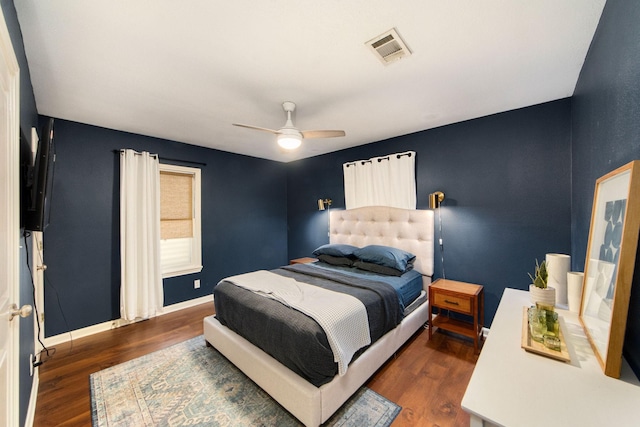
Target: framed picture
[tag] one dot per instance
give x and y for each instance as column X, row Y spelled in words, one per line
column 611, row 255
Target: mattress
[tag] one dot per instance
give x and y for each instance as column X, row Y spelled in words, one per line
column 296, row 340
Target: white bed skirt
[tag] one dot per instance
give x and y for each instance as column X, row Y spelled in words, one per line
column 311, row 405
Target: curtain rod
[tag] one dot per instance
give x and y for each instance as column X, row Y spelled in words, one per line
column 168, row 158
column 362, row 162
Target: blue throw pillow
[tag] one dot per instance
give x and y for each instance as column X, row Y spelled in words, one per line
column 336, row 250
column 386, row 256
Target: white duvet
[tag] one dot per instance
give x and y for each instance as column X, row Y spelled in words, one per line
column 342, row 317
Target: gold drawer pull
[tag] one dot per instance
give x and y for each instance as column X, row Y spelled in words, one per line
column 452, row 302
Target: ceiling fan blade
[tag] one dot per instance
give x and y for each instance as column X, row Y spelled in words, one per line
column 255, row 128
column 307, row 134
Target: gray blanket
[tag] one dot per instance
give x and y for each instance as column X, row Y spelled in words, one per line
column 293, row 338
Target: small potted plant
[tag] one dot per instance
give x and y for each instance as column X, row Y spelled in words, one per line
column 539, row 291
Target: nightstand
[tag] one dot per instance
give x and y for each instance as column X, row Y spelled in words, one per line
column 459, row 297
column 304, row 260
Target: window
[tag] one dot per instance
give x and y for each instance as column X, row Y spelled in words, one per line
column 180, row 240
column 381, row 181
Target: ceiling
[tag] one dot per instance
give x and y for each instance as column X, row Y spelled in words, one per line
column 185, row 71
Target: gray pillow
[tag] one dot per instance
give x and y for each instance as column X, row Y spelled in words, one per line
column 336, row 260
column 377, row 268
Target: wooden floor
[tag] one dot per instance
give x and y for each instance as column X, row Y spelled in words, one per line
column 426, row 378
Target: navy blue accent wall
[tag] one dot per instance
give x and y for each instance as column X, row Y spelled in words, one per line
column 606, row 132
column 507, row 183
column 508, row 179
column 28, row 119
column 243, row 222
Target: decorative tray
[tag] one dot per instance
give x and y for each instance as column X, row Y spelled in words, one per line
column 537, row 347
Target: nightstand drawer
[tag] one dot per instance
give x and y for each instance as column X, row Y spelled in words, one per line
column 453, row 302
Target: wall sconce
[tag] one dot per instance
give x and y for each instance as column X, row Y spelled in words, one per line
column 324, row 204
column 435, row 199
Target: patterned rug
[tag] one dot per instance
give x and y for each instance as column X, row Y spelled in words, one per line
column 190, row 384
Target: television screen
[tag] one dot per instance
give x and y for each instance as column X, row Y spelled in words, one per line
column 26, row 176
column 38, row 205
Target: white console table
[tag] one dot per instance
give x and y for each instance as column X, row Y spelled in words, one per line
column 512, row 387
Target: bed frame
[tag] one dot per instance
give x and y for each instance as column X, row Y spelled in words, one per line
column 410, row 230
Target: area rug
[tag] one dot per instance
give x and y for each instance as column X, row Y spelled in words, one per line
column 190, row 384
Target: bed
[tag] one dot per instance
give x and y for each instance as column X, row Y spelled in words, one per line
column 408, row 230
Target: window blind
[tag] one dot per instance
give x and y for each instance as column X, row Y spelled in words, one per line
column 176, row 205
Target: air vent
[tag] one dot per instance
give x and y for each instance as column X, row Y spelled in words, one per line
column 388, row 47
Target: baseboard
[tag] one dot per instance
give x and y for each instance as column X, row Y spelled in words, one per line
column 113, row 324
column 33, row 398
column 186, row 304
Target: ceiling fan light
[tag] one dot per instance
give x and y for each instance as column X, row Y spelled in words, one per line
column 289, row 142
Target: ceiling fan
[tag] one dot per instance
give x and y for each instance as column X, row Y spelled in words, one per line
column 289, row 137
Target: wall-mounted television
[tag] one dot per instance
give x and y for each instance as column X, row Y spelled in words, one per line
column 39, row 182
column 26, row 175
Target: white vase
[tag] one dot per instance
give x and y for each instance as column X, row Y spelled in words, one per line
column 545, row 296
column 574, row 290
column 558, row 265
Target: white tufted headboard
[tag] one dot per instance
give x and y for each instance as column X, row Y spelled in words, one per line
column 407, row 229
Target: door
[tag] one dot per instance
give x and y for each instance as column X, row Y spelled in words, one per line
column 9, row 227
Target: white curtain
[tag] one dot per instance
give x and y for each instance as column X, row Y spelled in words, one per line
column 381, row 181
column 141, row 293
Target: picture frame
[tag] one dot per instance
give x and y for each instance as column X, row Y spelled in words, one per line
column 609, row 265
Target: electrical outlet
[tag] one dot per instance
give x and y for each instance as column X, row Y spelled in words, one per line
column 196, row 284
